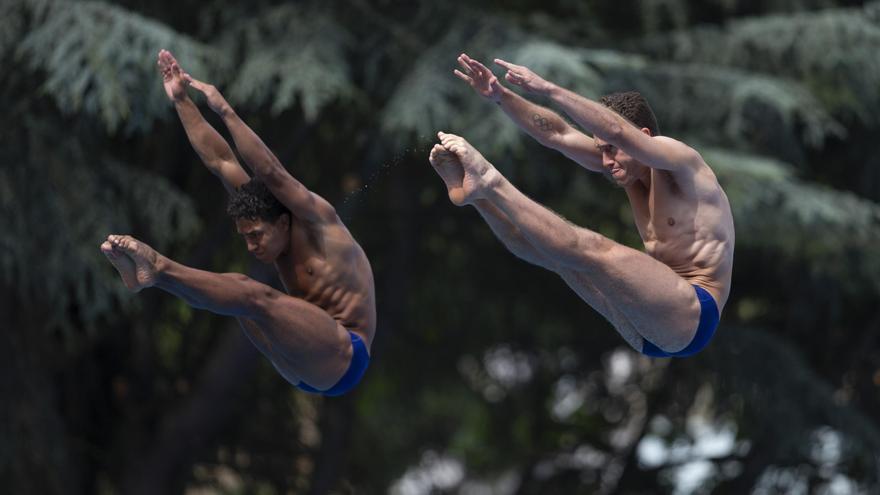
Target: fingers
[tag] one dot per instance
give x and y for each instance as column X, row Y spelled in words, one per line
column 162, row 62
column 195, row 83
column 507, row 65
column 474, row 68
column 170, row 57
column 479, row 66
column 165, row 58
column 463, row 62
column 464, row 77
column 513, row 78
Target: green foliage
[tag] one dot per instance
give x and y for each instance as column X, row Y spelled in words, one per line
column 298, row 55
column 99, row 60
column 791, row 390
column 87, row 150
column 727, row 107
column 775, row 210
column 50, row 250
column 833, row 52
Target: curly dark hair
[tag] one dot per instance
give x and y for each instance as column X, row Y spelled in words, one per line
column 633, row 107
column 253, row 200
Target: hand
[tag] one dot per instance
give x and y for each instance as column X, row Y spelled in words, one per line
column 215, row 100
column 172, row 78
column 524, row 77
column 480, row 78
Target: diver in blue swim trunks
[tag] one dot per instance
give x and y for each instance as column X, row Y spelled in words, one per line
column 318, row 334
column 664, row 301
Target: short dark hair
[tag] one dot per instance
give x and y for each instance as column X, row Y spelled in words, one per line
column 253, row 200
column 633, row 107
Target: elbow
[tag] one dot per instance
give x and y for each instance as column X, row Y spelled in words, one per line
column 269, row 170
column 613, row 133
column 554, row 139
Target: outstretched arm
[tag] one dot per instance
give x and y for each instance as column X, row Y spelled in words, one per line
column 543, row 124
column 264, row 164
column 208, row 143
column 654, row 151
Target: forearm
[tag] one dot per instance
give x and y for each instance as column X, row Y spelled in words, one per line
column 252, row 149
column 592, row 116
column 265, row 165
column 208, row 143
column 539, row 122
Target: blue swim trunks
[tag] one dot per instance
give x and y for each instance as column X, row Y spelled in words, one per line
column 360, row 359
column 705, row 330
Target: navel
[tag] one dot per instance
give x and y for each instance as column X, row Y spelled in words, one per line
column 670, row 221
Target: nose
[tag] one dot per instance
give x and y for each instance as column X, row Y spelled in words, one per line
column 607, row 160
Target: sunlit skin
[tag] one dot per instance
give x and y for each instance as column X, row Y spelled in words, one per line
column 682, row 214
column 326, row 275
column 620, row 168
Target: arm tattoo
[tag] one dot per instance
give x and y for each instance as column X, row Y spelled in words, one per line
column 542, row 123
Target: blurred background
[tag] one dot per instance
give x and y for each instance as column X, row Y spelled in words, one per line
column 489, row 376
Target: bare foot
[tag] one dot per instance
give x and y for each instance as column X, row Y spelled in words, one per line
column 172, row 76
column 477, row 174
column 144, row 258
column 450, row 170
column 123, row 264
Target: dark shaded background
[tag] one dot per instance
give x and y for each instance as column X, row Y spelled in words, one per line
column 489, row 376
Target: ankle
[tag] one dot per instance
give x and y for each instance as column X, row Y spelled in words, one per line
column 161, row 266
column 492, row 178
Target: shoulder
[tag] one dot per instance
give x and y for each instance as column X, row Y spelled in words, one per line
column 681, row 151
column 681, row 159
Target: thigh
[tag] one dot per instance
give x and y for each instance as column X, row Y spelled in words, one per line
column 304, row 340
column 582, row 286
column 659, row 304
column 255, row 334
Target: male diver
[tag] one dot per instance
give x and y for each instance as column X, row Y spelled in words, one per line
column 318, row 334
column 665, row 301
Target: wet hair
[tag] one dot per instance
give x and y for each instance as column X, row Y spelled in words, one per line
column 253, row 200
column 633, row 107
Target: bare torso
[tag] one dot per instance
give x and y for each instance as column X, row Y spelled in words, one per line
column 685, row 222
column 326, row 267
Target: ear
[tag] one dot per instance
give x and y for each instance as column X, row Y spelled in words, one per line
column 283, row 222
column 646, row 131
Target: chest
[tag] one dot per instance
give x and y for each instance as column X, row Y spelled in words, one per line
column 304, row 261
column 657, row 203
